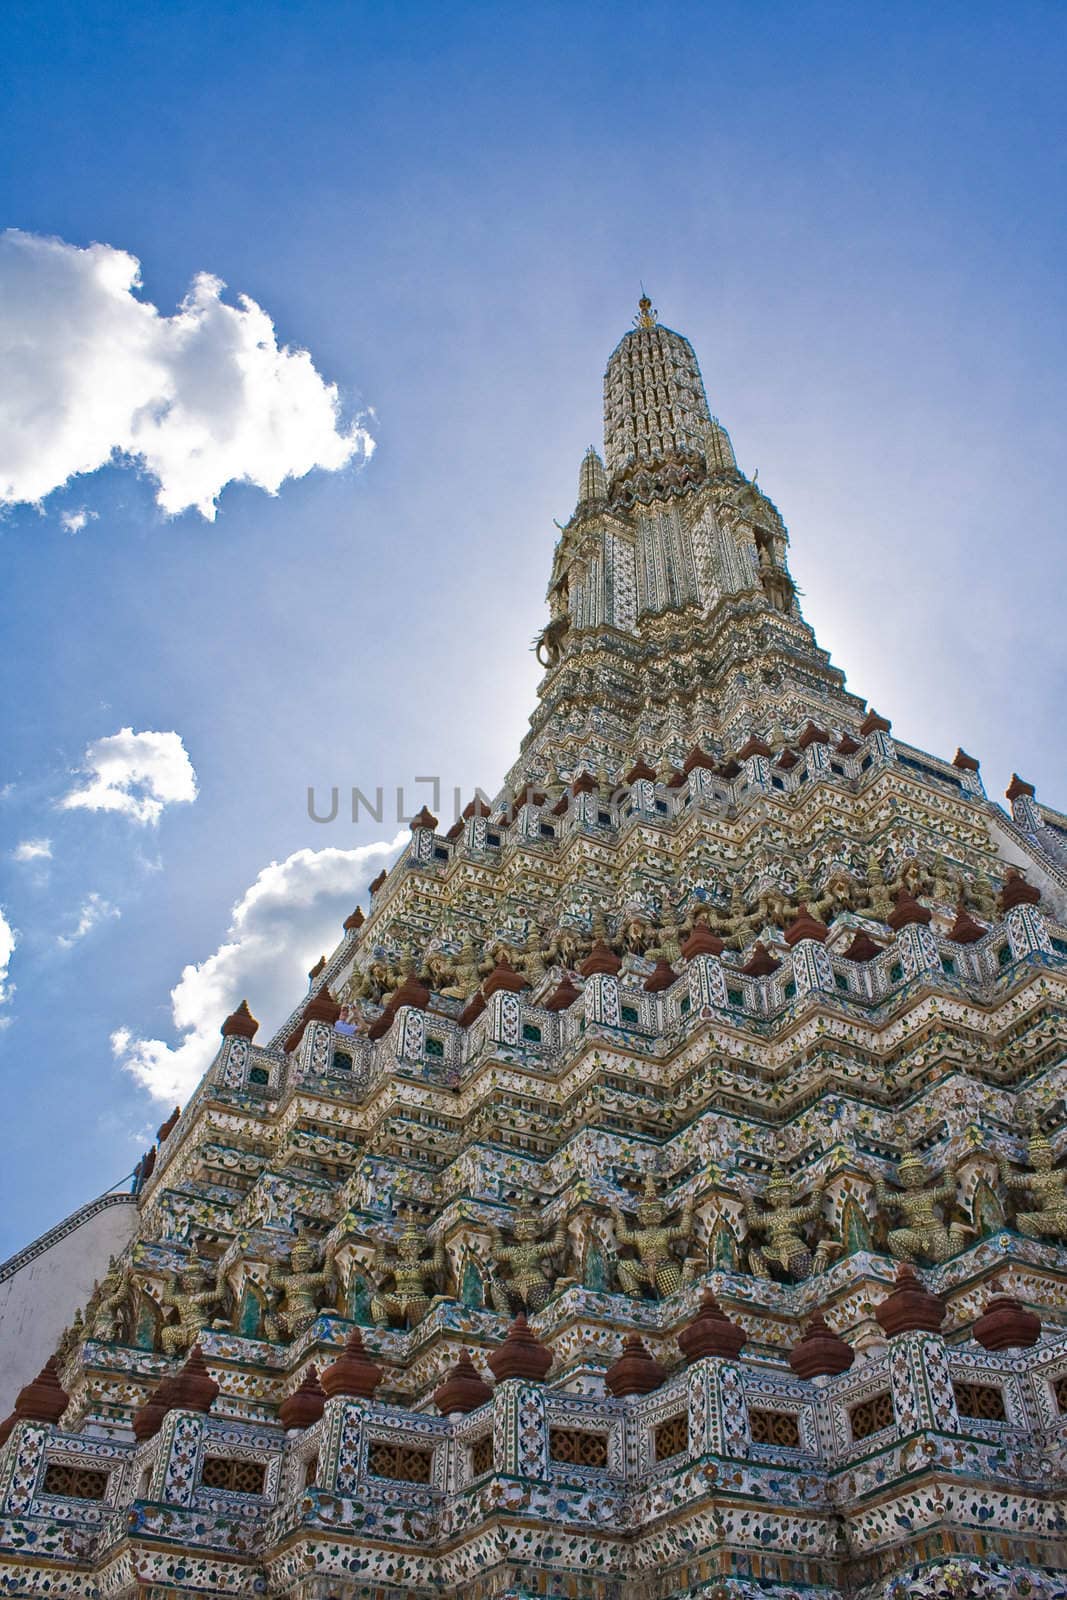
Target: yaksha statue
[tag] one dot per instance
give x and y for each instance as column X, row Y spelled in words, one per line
column 110, row 1304
column 924, row 1234
column 781, row 1221
column 298, row 1291
column 528, row 1262
column 413, row 1278
column 192, row 1294
column 1047, row 1186
column 656, row 1269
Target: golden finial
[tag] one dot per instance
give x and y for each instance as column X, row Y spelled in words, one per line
column 646, row 315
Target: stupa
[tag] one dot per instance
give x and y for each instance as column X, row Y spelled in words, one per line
column 728, row 1004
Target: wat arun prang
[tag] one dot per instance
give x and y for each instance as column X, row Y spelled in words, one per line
column 656, row 1193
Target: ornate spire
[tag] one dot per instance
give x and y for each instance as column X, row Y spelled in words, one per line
column 655, row 407
column 592, row 479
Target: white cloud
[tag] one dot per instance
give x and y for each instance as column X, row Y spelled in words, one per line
column 8, row 940
column 278, row 929
column 94, row 910
column 135, row 773
column 200, row 399
column 33, row 850
column 75, row 521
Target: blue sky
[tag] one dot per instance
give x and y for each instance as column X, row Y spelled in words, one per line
column 856, row 213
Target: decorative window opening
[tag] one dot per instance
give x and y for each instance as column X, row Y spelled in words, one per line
column 239, row 1477
column 735, row 997
column 440, row 852
column 547, row 831
column 837, row 768
column 840, row 981
column 896, row 972
column 872, row 1415
column 671, row 1437
column 1060, row 946
column 74, row 1483
column 774, row 1427
column 342, row 1062
column 983, row 1401
column 531, row 1033
column 948, row 966
column 576, row 1447
column 685, row 1005
column 790, row 990
column 144, row 1484
column 630, row 1016
column 435, row 1047
column 311, row 1472
column 865, row 763
column 776, row 783
column 403, row 1463
column 482, row 1455
column 662, row 807
column 603, row 819
column 492, row 839
column 1004, row 955
column 1059, row 1389
column 259, row 1075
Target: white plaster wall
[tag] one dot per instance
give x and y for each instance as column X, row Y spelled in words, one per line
column 40, row 1296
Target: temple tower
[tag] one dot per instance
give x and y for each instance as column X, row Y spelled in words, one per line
column 659, row 1189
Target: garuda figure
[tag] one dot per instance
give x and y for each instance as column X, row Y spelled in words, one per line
column 1047, row 1187
column 781, row 1221
column 298, row 1290
column 924, row 1234
column 109, row 1308
column 192, row 1294
column 413, row 1278
column 656, row 1270
column 528, row 1263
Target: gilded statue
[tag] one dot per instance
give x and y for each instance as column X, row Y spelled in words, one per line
column 924, row 1233
column 532, row 964
column 298, row 1291
column 669, row 947
column 110, row 1305
column 466, row 976
column 528, row 1262
column 782, row 1220
column 71, row 1338
column 413, row 1278
column 191, row 1293
column 1047, row 1188
column 656, row 1270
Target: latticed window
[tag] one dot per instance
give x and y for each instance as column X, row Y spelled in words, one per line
column 482, row 1455
column 259, row 1075
column 982, row 1400
column 435, row 1047
column 870, row 1416
column 241, row 1477
column 1059, row 1389
column 577, row 1447
column 75, row 1483
column 403, row 1463
column 671, row 1437
column 342, row 1061
column 774, row 1427
column 311, row 1472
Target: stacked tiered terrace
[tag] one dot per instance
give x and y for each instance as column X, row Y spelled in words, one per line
column 732, row 1028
